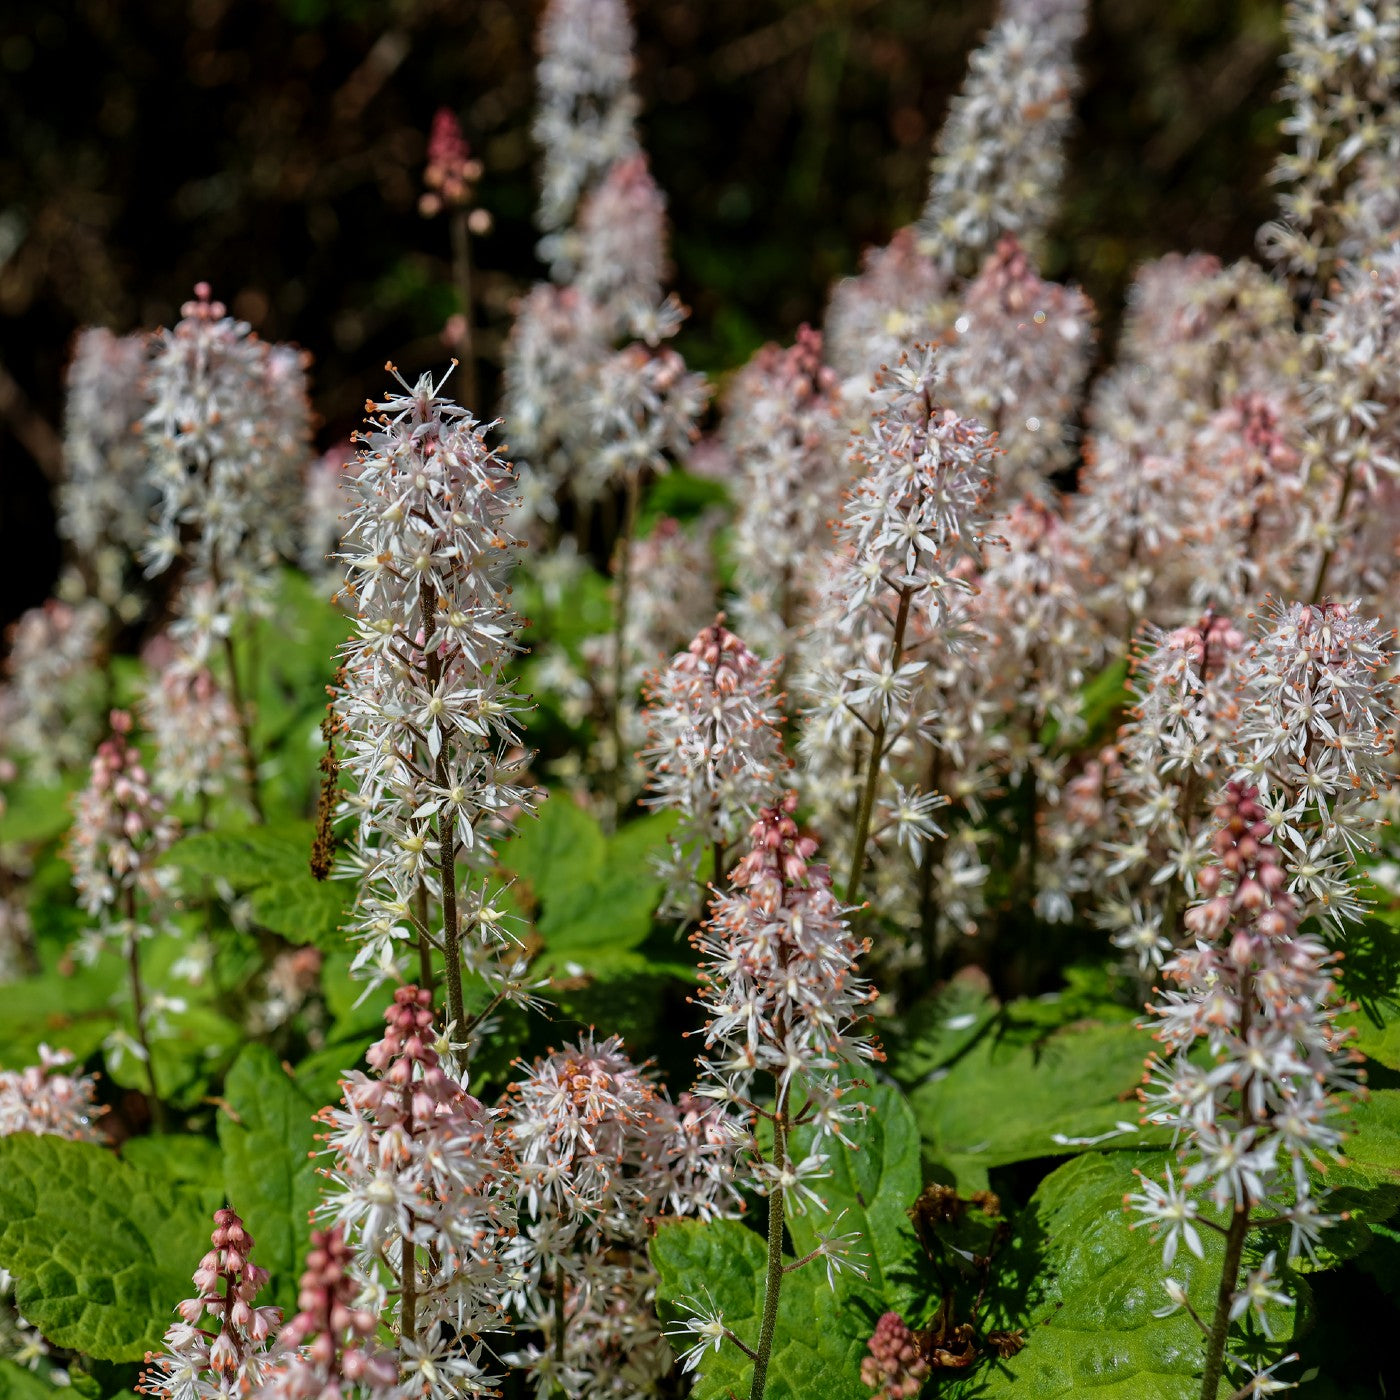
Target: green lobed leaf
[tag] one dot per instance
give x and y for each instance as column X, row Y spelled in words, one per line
column 1005, row 1099
column 1092, row 1328
column 874, row 1184
column 31, row 813
column 818, row 1344
column 270, row 1179
column 596, row 895
column 100, row 1250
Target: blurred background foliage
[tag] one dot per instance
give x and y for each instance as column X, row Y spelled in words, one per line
column 275, row 149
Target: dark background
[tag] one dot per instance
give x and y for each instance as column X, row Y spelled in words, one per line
column 275, row 148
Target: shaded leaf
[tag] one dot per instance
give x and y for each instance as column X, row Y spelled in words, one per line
column 100, row 1250
column 817, row 1346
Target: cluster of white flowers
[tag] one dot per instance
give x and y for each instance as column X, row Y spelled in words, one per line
column 585, row 121
column 912, row 531
column 1196, row 337
column 782, row 431
column 227, row 437
column 999, row 158
column 601, row 1153
column 783, row 997
column 430, row 716
column 50, row 711
column 1351, row 456
column 1017, row 364
column 780, row 986
column 39, row 1100
column 1338, row 200
column 239, row 1350
column 104, row 500
column 1171, row 757
column 199, row 743
column 714, row 755
column 120, row 827
column 1257, row 1120
column 1317, row 729
column 421, row 1189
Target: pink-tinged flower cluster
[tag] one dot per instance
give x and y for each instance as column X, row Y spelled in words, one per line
column 999, row 159
column 199, row 744
column 1172, row 754
column 421, row 1189
column 331, row 1353
column 621, row 249
column 1242, row 538
column 1351, row 458
column 895, row 587
column 895, row 1368
column 39, row 1100
column 1259, row 1113
column 714, row 754
column 104, row 500
column 1017, row 363
column 782, row 994
column 602, row 1153
column 49, row 707
column 451, row 172
column 120, row 827
column 1317, row 734
column 227, row 436
column 238, row 1349
column 1196, row 337
column 1339, row 200
column 430, row 715
column 899, row 298
column 783, row 430
column 324, row 507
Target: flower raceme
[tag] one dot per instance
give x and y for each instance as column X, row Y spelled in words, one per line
column 429, row 715
column 782, row 994
column 242, row 1350
column 420, row 1195
column 1256, row 1123
column 714, row 752
column 602, row 1152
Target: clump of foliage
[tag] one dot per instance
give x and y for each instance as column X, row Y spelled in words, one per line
column 575, row 996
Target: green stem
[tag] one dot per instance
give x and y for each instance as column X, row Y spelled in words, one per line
column 245, row 730
column 451, row 931
column 773, row 1284
column 1235, row 1236
column 624, row 592
column 866, row 810
column 1215, row 1346
column 138, row 1001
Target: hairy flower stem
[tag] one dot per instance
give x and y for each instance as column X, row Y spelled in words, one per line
column 408, row 1271
column 1325, row 563
column 866, row 810
column 624, row 591
column 245, row 731
column 1235, row 1236
column 773, row 1284
column 462, row 276
column 138, row 1001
